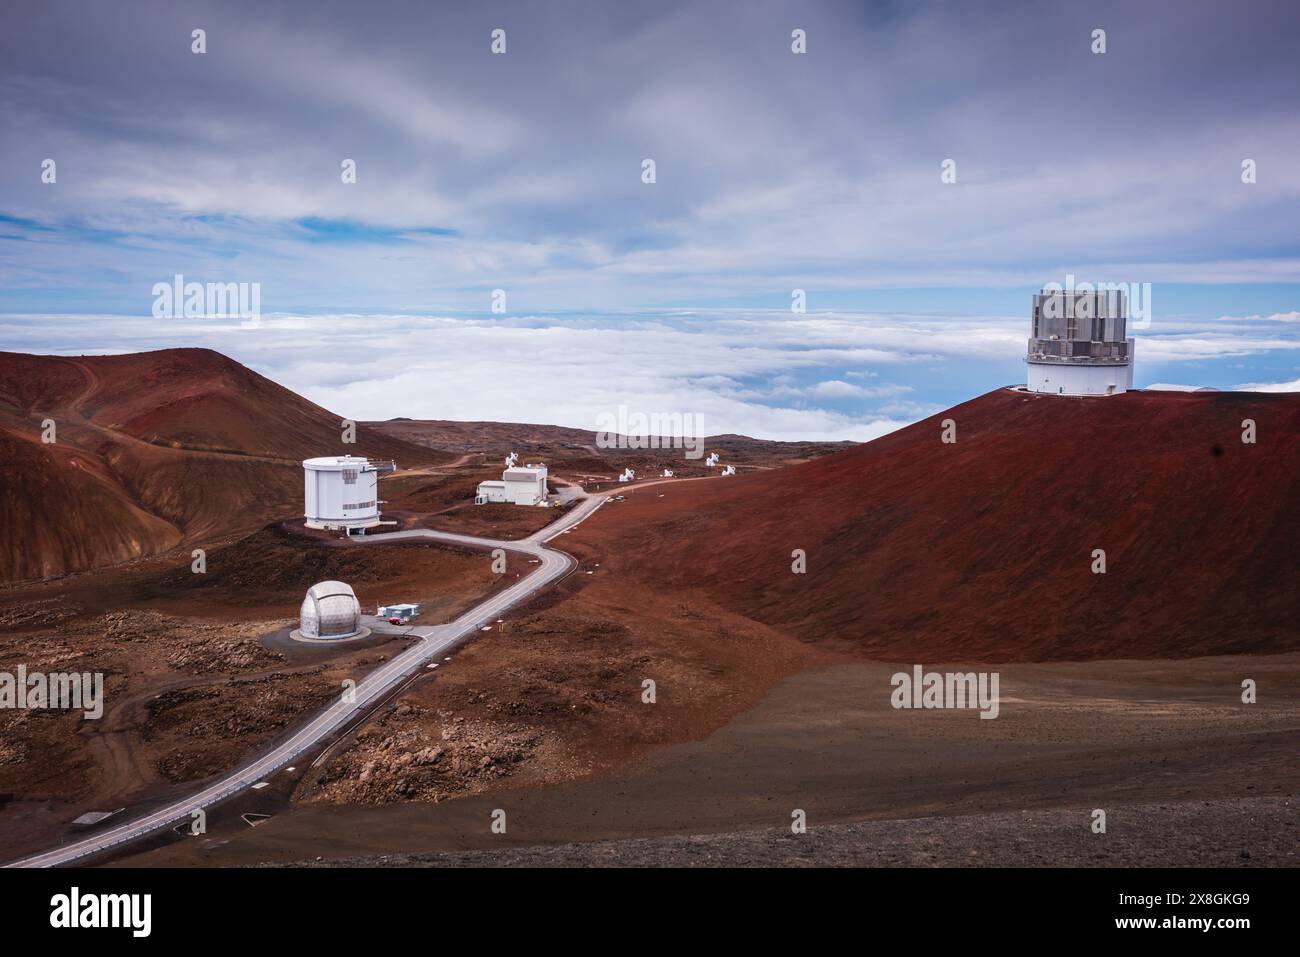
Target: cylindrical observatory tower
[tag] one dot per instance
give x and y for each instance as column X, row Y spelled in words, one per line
column 1077, row 343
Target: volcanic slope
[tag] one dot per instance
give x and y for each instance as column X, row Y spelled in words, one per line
column 152, row 450
column 983, row 549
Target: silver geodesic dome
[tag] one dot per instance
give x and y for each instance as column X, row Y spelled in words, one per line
column 330, row 610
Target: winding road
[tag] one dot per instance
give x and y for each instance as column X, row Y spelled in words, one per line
column 433, row 641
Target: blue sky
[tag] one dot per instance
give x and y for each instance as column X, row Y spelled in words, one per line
column 774, row 171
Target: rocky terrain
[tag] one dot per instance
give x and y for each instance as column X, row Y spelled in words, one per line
column 554, row 695
column 442, row 756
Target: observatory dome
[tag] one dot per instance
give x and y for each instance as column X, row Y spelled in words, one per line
column 330, row 610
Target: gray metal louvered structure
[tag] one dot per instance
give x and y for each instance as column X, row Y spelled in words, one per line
column 330, row 610
column 1078, row 342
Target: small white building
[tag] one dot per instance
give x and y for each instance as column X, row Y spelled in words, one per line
column 519, row 485
column 667, row 473
column 627, row 475
column 404, row 610
column 729, row 470
column 712, row 460
column 342, row 491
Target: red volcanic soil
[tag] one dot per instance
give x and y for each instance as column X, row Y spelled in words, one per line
column 919, row 550
column 153, row 450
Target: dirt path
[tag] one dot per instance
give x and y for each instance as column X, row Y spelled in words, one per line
column 440, row 469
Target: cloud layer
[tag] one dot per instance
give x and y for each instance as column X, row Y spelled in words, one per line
column 825, row 376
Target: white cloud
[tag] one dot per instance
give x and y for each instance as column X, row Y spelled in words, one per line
column 1292, row 316
column 839, row 389
column 1292, row 386
column 835, row 388
column 1177, row 348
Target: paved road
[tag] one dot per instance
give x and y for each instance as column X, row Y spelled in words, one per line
column 434, row 640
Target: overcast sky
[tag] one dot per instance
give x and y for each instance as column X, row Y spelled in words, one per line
column 774, row 171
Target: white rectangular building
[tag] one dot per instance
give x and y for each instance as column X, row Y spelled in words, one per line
column 519, row 485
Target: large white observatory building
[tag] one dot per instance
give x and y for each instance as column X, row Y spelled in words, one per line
column 1077, row 343
column 329, row 611
column 342, row 491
